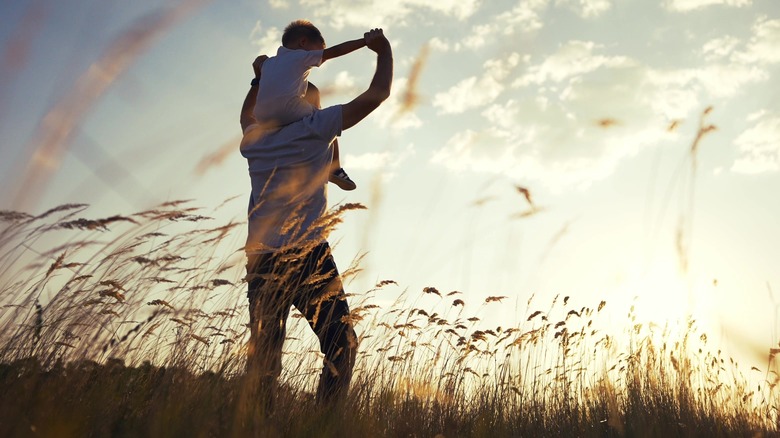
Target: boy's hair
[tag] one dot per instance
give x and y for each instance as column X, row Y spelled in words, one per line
column 299, row 29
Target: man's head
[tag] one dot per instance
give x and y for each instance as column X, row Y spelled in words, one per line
column 301, row 34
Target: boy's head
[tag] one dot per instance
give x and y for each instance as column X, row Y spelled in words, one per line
column 301, row 34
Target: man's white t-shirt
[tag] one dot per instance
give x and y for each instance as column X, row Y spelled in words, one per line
column 289, row 168
column 283, row 83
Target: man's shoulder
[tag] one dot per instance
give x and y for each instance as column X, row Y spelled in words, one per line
column 316, row 130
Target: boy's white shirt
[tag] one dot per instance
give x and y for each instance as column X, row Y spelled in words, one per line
column 283, row 83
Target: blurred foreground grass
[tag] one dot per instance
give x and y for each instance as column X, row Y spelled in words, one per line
column 136, row 326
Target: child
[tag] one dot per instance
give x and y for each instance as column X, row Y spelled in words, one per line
column 283, row 82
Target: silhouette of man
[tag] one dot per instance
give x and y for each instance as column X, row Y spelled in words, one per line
column 289, row 259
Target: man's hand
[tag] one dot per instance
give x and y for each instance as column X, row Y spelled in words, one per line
column 376, row 41
column 258, row 64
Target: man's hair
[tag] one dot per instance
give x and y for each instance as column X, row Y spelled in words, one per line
column 299, row 29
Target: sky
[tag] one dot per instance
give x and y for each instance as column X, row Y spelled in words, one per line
column 647, row 134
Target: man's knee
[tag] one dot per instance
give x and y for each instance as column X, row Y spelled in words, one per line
column 339, row 343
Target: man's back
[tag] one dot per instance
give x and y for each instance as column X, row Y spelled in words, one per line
column 289, row 169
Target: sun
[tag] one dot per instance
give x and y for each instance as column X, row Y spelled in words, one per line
column 661, row 294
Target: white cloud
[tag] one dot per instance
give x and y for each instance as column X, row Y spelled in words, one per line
column 345, row 81
column 386, row 160
column 759, row 146
column 558, row 143
column 673, row 102
column 479, row 36
column 587, row 8
column 572, row 59
column 707, row 82
column 439, row 45
column 469, row 93
column 523, row 18
column 267, row 41
column 752, row 117
column 733, row 63
column 343, row 84
column 475, row 92
column 727, row 80
column 719, row 49
column 386, row 163
column 391, row 113
column 548, row 129
column 559, row 157
column 690, row 5
column 764, row 44
column 279, row 4
column 763, row 47
column 381, row 13
column 571, row 118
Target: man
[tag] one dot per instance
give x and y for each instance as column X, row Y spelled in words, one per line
column 289, row 260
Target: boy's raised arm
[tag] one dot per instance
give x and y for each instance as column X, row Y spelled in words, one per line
column 342, row 49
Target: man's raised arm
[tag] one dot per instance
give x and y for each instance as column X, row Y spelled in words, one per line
column 379, row 90
column 247, row 109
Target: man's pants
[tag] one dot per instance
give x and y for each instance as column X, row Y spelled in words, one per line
column 307, row 279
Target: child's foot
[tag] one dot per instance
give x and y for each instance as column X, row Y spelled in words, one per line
column 341, row 179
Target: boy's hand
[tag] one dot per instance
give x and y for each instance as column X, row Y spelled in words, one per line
column 258, row 64
column 376, row 41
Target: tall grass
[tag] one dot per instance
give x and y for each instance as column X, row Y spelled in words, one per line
column 136, row 326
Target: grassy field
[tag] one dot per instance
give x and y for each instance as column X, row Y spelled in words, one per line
column 136, row 326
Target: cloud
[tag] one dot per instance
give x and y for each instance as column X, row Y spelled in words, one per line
column 720, row 81
column 378, row 160
column 475, row 92
column 762, row 49
column 690, row 5
column 561, row 156
column 439, row 45
column 279, row 4
column 764, row 44
column 546, row 129
column 381, row 13
column 720, row 49
column 555, row 139
column 479, row 35
column 391, row 113
column 587, row 8
column 732, row 63
column 267, row 41
column 670, row 93
column 572, row 59
column 343, row 84
column 385, row 162
column 759, row 145
column 523, row 18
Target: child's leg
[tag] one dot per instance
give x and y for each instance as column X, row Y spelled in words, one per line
column 336, row 163
column 337, row 175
